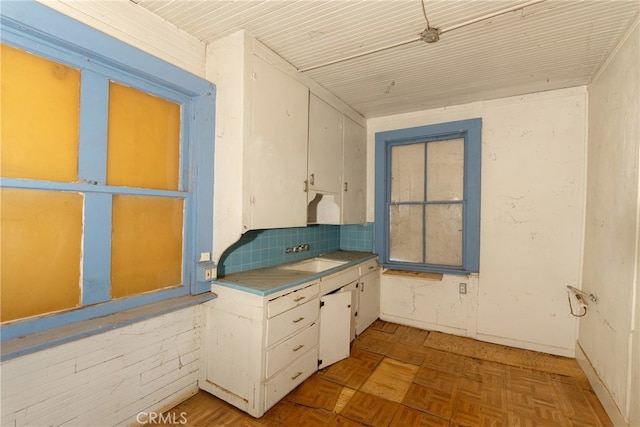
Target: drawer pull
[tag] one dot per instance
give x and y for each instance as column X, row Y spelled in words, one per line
column 371, row 267
column 296, row 375
column 299, row 299
column 299, row 319
column 298, row 347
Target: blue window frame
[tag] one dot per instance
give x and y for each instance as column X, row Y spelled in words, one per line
column 427, row 200
column 34, row 28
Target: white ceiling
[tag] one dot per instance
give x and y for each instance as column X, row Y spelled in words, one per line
column 544, row 45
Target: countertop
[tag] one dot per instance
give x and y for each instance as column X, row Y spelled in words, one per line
column 269, row 280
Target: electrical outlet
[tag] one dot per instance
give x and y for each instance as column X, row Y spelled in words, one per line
column 462, row 288
column 207, row 271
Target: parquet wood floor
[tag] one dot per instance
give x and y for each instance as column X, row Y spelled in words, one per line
column 400, row 376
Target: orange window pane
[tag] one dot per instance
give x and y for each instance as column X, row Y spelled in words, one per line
column 40, row 251
column 146, row 246
column 40, row 113
column 144, row 140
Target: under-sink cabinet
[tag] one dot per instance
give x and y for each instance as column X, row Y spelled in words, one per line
column 256, row 348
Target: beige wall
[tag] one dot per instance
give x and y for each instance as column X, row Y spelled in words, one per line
column 533, row 169
column 609, row 333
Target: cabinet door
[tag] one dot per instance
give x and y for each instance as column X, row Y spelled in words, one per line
column 276, row 153
column 325, row 147
column 335, row 320
column 369, row 301
column 353, row 289
column 354, row 174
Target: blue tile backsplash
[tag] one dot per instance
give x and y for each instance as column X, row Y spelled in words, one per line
column 264, row 248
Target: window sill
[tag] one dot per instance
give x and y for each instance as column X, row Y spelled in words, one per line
column 415, row 274
column 63, row 334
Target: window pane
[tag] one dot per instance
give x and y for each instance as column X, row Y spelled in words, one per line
column 407, row 173
column 443, row 234
column 143, row 141
column 405, row 233
column 40, row 113
column 40, row 251
column 146, row 247
column 445, row 169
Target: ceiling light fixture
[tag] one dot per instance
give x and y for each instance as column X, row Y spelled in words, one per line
column 429, row 35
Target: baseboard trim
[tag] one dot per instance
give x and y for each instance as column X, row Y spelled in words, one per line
column 180, row 397
column 601, row 391
column 423, row 325
column 462, row 332
column 526, row 345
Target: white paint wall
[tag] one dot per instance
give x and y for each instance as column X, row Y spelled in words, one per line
column 106, row 379
column 609, row 333
column 109, row 378
column 533, row 172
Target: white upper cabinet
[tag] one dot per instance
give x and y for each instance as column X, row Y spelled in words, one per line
column 354, row 175
column 276, row 150
column 325, row 147
column 269, row 149
column 336, row 166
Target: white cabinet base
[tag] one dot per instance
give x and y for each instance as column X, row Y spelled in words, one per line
column 256, row 349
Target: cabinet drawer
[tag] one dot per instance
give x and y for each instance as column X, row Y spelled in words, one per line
column 331, row 283
column 292, row 299
column 289, row 322
column 290, row 378
column 368, row 267
column 285, row 353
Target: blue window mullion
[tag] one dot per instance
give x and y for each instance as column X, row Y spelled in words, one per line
column 96, row 259
column 424, row 204
column 94, row 102
column 472, row 178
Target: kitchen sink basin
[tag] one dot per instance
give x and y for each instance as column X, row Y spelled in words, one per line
column 313, row 265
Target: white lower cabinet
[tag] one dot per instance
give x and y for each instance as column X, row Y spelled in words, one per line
column 280, row 385
column 369, row 296
column 352, row 289
column 335, row 330
column 256, row 349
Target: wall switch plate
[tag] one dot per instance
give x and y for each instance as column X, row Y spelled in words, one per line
column 462, row 288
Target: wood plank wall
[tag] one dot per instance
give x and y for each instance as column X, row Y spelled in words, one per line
column 106, row 379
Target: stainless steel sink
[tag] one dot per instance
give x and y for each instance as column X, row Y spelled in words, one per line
column 313, row 265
